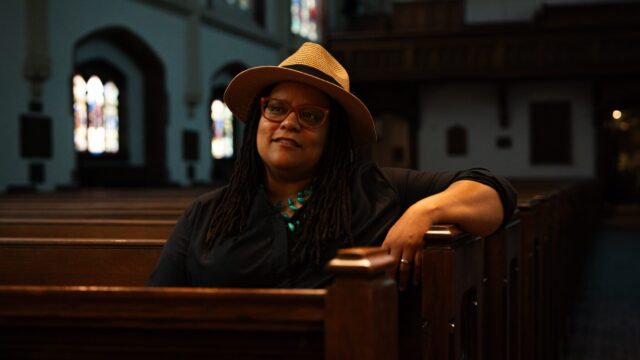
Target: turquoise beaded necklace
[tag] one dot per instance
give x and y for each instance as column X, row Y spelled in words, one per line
column 294, row 204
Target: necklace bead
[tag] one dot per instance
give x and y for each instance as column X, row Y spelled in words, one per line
column 299, row 200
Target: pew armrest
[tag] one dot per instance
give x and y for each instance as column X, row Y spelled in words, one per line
column 362, row 306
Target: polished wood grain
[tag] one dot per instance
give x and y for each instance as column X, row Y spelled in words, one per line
column 86, row 228
column 77, row 261
column 354, row 318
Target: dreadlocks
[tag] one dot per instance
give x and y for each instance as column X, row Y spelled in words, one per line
column 328, row 216
column 327, row 213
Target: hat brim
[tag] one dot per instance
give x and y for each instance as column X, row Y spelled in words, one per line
column 245, row 87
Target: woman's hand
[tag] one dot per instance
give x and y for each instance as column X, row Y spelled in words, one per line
column 404, row 242
column 473, row 206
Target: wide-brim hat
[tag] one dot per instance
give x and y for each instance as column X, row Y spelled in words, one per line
column 311, row 64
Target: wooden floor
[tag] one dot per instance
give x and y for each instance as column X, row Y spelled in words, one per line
column 607, row 318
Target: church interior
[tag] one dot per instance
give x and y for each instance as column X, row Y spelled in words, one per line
column 114, row 122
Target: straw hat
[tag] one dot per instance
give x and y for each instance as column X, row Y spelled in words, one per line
column 311, row 64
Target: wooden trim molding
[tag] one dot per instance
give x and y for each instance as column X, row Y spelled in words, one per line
column 542, row 49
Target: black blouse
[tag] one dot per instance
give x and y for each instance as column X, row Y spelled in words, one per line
column 258, row 257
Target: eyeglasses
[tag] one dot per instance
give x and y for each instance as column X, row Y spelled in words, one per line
column 309, row 116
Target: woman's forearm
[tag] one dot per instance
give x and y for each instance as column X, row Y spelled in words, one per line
column 473, row 206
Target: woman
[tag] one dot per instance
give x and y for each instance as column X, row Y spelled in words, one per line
column 298, row 192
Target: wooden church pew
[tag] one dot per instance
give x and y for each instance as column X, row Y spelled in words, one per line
column 583, row 224
column 354, row 318
column 451, row 293
column 109, row 204
column 68, row 261
column 112, row 204
column 107, row 215
column 544, row 268
column 548, row 273
column 501, row 299
column 572, row 214
column 556, row 214
column 86, row 228
column 513, row 234
column 83, row 213
column 181, row 195
column 529, row 265
column 553, row 300
column 116, row 323
column 439, row 317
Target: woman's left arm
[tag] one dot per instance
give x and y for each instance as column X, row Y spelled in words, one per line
column 475, row 207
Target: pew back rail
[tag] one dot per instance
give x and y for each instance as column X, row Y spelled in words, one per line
column 104, row 322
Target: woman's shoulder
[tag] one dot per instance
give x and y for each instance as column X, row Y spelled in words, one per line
column 211, row 196
column 369, row 175
column 204, row 202
column 372, row 170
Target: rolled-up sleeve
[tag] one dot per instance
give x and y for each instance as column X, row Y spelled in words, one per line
column 412, row 185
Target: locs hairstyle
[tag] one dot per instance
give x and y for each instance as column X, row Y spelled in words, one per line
column 327, row 213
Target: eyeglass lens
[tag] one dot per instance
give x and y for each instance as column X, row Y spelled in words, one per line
column 278, row 110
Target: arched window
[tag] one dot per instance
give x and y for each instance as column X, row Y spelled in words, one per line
column 305, row 18
column 221, row 130
column 127, row 119
column 95, row 113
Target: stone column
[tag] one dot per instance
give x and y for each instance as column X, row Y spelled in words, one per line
column 37, row 64
column 193, row 77
column 35, row 128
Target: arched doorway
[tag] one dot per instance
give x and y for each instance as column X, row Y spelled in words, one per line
column 118, row 54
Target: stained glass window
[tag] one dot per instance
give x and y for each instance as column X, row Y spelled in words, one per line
column 221, row 130
column 305, row 18
column 95, row 113
column 80, row 113
column 111, row 119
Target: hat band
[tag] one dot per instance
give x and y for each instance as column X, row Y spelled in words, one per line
column 313, row 72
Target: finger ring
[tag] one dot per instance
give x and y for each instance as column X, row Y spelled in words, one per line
column 404, row 261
